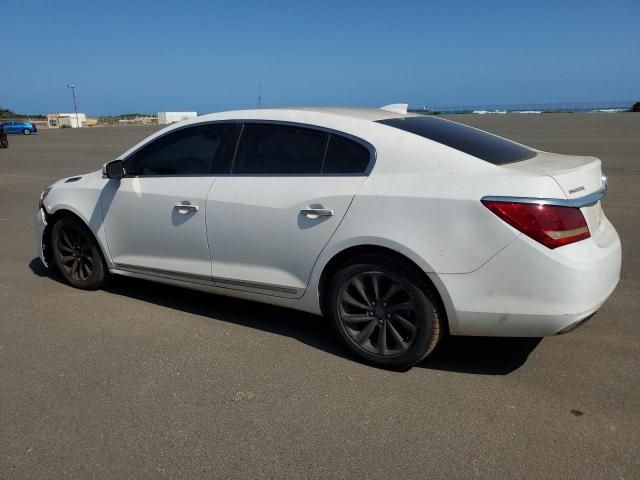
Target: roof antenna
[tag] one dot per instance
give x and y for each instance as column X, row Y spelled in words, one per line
column 260, row 96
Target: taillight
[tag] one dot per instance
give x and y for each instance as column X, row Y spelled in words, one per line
column 551, row 225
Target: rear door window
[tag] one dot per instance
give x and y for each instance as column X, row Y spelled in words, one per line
column 280, row 149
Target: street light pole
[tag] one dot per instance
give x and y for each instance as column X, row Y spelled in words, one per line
column 75, row 108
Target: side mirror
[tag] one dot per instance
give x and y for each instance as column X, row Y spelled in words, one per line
column 114, row 169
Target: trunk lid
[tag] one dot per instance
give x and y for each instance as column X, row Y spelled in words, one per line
column 577, row 176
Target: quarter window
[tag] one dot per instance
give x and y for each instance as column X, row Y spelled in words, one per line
column 199, row 150
column 280, row 149
column 345, row 156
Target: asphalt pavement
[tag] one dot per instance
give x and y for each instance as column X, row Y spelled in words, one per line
column 142, row 380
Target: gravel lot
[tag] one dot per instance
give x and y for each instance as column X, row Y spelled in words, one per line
column 146, row 381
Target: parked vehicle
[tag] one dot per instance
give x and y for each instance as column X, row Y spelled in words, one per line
column 19, row 126
column 398, row 227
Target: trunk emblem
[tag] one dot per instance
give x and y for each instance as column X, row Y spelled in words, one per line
column 577, row 189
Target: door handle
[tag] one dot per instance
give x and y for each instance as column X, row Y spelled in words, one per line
column 316, row 212
column 184, row 209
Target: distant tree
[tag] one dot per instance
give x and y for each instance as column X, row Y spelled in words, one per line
column 6, row 113
column 636, row 107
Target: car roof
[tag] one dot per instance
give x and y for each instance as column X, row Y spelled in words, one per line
column 367, row 114
column 371, row 114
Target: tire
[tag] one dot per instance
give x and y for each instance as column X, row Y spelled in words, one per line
column 76, row 254
column 384, row 311
column 26, row 131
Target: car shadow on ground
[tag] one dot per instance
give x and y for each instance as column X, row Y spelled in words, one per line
column 480, row 355
column 471, row 355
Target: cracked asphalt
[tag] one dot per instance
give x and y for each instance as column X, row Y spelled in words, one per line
column 147, row 381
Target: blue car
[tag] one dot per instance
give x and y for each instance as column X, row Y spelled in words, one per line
column 18, row 126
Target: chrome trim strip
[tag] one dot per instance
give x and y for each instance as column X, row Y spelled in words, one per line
column 259, row 286
column 585, row 201
column 204, row 279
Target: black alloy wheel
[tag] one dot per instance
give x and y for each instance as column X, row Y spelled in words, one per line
column 379, row 313
column 385, row 312
column 76, row 254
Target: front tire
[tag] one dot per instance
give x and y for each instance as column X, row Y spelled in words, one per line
column 27, row 131
column 76, row 254
column 384, row 311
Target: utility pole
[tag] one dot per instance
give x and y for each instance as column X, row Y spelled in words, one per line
column 75, row 108
column 260, row 95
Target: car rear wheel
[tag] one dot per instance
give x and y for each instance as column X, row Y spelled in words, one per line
column 27, row 131
column 77, row 255
column 385, row 312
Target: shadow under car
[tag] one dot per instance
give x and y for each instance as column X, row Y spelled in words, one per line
column 471, row 355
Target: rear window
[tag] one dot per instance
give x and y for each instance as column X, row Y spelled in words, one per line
column 474, row 142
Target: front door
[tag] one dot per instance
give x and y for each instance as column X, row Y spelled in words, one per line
column 155, row 216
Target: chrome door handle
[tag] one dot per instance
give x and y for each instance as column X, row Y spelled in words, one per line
column 316, row 212
column 186, row 208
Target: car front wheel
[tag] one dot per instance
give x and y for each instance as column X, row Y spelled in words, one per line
column 385, row 312
column 27, row 131
column 77, row 255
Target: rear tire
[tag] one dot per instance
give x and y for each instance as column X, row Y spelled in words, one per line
column 76, row 254
column 27, row 131
column 384, row 311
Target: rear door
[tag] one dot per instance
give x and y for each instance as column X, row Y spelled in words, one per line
column 290, row 187
column 155, row 216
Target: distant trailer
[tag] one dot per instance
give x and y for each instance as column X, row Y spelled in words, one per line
column 165, row 118
column 59, row 120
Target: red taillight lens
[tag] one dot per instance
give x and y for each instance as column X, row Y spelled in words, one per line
column 550, row 225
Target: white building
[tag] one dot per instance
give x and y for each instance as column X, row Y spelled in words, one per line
column 165, row 118
column 57, row 120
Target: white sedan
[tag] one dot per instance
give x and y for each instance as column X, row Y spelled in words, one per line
column 398, row 227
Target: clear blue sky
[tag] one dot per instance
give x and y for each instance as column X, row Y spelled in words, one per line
column 149, row 56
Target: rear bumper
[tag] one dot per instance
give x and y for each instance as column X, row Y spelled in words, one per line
column 528, row 290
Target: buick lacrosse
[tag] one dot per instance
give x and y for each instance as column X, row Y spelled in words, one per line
column 400, row 228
